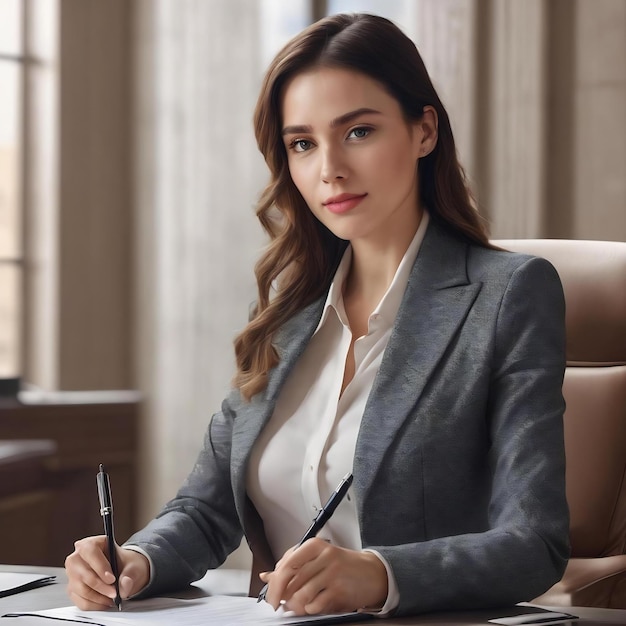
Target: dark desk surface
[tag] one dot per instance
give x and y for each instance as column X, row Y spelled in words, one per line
column 236, row 582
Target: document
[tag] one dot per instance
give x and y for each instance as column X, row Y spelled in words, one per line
column 537, row 617
column 15, row 582
column 214, row 610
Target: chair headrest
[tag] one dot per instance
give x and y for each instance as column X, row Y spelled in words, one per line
column 593, row 274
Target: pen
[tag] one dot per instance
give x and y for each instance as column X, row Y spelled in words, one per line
column 322, row 517
column 106, row 510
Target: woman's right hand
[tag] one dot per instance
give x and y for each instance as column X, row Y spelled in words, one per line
column 90, row 579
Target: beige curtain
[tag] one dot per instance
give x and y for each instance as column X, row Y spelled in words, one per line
column 537, row 95
column 198, row 172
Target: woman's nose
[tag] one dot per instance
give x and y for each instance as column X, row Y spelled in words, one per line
column 333, row 165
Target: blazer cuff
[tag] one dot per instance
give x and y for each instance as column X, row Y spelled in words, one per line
column 141, row 551
column 393, row 593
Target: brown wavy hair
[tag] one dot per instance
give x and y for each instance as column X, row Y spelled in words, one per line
column 298, row 265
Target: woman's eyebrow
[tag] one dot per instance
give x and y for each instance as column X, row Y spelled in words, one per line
column 348, row 117
column 338, row 121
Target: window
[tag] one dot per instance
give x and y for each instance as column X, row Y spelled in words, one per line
column 279, row 22
column 401, row 12
column 11, row 151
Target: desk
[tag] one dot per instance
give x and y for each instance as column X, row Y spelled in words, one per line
column 236, row 581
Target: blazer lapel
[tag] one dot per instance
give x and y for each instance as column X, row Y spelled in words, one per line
column 436, row 301
column 252, row 416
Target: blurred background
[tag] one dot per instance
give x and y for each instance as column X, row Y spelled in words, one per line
column 128, row 179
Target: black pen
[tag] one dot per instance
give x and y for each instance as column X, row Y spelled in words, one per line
column 322, row 517
column 106, row 510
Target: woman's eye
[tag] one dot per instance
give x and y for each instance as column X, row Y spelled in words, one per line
column 300, row 145
column 360, row 133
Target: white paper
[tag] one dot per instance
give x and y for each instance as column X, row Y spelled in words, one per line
column 214, row 610
column 12, row 582
column 544, row 617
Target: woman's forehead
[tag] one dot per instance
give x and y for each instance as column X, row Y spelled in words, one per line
column 327, row 93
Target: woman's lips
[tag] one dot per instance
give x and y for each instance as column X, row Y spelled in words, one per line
column 344, row 202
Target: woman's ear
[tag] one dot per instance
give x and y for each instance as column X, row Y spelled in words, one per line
column 427, row 133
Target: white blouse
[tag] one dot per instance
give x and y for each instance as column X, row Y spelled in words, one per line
column 308, row 444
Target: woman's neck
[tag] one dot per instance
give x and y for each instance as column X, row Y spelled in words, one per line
column 375, row 262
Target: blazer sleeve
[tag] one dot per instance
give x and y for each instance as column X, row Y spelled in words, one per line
column 524, row 549
column 197, row 529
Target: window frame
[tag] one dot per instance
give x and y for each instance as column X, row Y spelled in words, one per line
column 20, row 60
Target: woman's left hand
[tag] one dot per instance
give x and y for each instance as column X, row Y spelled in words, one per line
column 318, row 578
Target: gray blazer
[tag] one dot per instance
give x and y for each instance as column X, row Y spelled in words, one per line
column 459, row 470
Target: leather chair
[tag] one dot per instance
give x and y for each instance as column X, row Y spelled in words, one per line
column 593, row 274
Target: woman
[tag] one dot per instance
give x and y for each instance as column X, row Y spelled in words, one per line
column 390, row 340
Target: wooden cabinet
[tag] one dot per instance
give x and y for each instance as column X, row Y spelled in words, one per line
column 25, row 499
column 49, row 501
